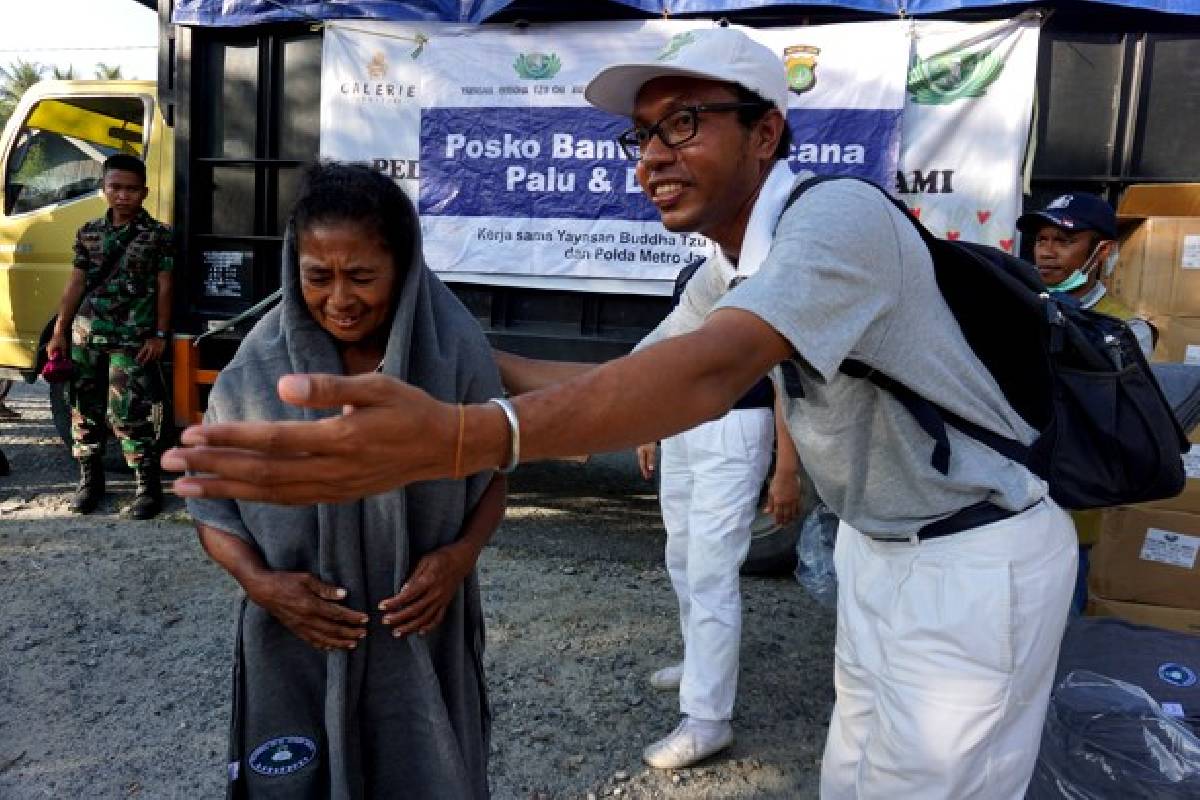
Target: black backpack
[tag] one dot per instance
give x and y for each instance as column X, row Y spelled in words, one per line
column 1107, row 434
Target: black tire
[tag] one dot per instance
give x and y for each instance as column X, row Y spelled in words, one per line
column 164, row 428
column 772, row 547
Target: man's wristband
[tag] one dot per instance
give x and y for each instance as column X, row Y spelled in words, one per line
column 514, row 434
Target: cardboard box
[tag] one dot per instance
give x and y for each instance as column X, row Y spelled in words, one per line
column 1173, row 619
column 1148, row 555
column 1178, row 339
column 1187, row 501
column 1158, row 265
column 1161, row 200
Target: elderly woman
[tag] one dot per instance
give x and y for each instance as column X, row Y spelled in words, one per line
column 358, row 666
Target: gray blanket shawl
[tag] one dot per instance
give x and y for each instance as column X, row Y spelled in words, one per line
column 394, row 717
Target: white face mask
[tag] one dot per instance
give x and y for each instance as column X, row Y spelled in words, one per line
column 1080, row 276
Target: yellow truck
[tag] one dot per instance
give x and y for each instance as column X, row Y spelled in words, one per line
column 51, row 154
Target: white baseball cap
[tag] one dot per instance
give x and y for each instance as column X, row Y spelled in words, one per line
column 724, row 54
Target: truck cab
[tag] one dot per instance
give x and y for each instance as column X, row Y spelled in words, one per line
column 51, row 154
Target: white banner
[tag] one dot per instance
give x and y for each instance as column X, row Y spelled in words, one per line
column 520, row 182
column 966, row 126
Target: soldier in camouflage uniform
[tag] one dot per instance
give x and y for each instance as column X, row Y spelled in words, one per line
column 117, row 307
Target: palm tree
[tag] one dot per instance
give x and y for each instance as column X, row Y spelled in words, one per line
column 17, row 77
column 60, row 74
column 106, row 73
column 14, row 80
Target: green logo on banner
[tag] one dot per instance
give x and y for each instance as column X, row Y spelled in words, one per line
column 537, row 66
column 952, row 76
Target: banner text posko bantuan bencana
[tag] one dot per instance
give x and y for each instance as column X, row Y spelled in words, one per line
column 515, row 176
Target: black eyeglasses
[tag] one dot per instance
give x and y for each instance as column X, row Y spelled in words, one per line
column 676, row 128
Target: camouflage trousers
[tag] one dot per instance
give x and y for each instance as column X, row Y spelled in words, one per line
column 109, row 383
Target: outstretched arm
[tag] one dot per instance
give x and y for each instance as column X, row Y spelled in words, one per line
column 521, row 375
column 394, row 434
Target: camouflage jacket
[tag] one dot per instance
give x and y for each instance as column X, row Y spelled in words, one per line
column 122, row 311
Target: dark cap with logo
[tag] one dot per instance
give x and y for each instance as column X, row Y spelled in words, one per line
column 1073, row 212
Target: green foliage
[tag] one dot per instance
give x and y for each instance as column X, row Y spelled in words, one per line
column 60, row 74
column 16, row 78
column 104, row 72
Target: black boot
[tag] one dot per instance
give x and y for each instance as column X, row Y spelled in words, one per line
column 91, row 486
column 147, row 500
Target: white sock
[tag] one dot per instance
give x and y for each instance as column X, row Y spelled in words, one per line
column 706, row 727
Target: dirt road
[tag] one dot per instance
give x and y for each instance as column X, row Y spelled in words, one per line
column 115, row 639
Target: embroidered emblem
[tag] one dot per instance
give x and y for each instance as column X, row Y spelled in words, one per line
column 283, row 755
column 677, row 43
column 1177, row 674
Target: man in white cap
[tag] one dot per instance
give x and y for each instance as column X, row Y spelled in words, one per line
column 954, row 584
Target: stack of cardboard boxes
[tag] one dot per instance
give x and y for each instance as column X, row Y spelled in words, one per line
column 1146, row 564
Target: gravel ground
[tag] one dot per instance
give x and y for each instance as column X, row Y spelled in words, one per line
column 115, row 639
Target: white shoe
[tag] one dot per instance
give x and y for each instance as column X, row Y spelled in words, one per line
column 693, row 741
column 667, row 679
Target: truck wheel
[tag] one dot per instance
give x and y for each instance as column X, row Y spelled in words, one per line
column 164, row 429
column 772, row 547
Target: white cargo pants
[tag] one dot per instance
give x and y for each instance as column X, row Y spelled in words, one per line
column 711, row 476
column 946, row 651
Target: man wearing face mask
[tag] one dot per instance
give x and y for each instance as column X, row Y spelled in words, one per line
column 1072, row 239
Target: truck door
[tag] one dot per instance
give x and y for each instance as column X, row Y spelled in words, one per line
column 51, row 177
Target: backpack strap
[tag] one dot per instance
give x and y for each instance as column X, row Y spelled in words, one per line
column 933, row 419
column 930, row 416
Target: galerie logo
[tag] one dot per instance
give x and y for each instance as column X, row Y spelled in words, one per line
column 801, row 63
column 537, row 66
column 376, row 89
column 377, row 66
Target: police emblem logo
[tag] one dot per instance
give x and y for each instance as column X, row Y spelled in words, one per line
column 1177, row 674
column 800, row 61
column 537, row 66
column 283, row 756
column 377, row 66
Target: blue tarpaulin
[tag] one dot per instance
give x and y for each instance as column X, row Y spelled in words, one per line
column 253, row 12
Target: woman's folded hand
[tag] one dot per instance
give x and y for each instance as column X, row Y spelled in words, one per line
column 309, row 608
column 422, row 600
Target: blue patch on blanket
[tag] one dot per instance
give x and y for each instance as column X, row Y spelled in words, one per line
column 283, row 755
